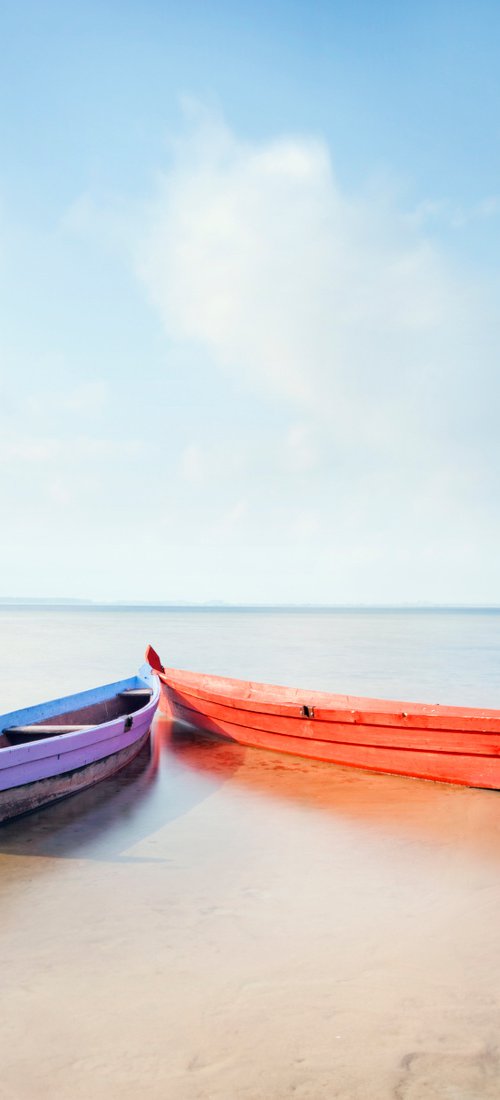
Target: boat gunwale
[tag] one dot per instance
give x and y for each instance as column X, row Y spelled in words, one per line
column 28, row 752
column 356, row 710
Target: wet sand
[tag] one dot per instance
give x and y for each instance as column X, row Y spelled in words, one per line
column 220, row 922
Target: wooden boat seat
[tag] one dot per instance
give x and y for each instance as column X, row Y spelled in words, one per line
column 136, row 693
column 43, row 730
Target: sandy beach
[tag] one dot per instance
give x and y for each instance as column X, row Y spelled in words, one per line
column 220, row 922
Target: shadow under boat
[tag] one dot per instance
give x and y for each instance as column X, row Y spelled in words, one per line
column 182, row 766
column 466, row 819
column 164, row 781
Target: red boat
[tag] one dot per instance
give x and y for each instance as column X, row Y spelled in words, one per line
column 448, row 744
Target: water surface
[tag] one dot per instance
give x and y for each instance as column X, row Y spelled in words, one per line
column 220, row 922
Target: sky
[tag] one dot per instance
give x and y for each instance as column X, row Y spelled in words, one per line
column 249, row 291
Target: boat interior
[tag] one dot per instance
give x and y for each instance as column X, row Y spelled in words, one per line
column 121, row 705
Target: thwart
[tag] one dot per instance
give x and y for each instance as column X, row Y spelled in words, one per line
column 448, row 744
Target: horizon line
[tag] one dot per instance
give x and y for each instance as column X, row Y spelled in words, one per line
column 182, row 605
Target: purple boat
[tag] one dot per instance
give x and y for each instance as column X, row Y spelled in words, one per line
column 55, row 749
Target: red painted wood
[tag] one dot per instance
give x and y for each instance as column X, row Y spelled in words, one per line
column 450, row 744
column 345, row 732
column 269, row 699
column 473, row 771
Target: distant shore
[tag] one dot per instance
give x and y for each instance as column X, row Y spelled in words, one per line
column 135, row 605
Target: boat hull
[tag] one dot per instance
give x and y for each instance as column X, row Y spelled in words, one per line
column 446, row 744
column 32, row 796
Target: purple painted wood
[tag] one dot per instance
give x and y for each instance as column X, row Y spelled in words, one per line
column 128, row 716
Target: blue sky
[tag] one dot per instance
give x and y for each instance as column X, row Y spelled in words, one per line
column 249, row 292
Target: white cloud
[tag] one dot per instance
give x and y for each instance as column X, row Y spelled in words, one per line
column 454, row 214
column 341, row 311
column 59, row 491
column 193, row 464
column 234, row 516
column 300, row 452
column 88, row 397
column 41, row 449
column 85, row 399
column 334, row 304
column 353, row 452
column 257, row 254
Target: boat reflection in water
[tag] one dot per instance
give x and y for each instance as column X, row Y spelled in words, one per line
column 181, row 766
column 409, row 810
column 173, row 771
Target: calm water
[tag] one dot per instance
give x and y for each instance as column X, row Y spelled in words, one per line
column 218, row 922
